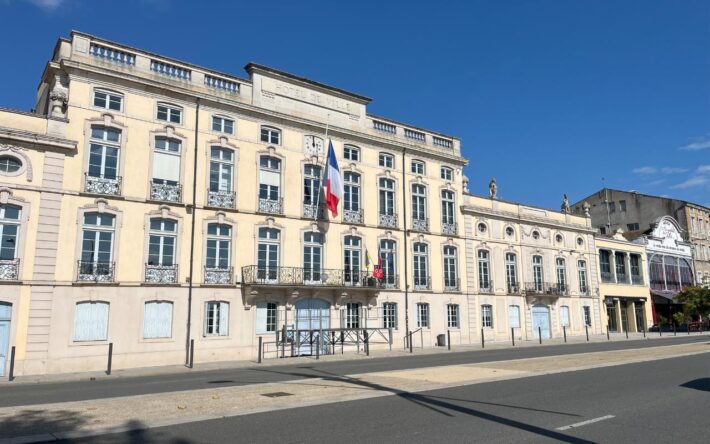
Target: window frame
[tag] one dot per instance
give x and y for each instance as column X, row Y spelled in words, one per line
column 446, row 173
column 172, row 319
column 417, row 167
column 383, row 159
column 219, row 319
column 389, row 317
column 423, row 315
column 104, row 335
column 348, row 151
column 109, row 94
column 453, row 317
column 223, row 119
column 269, row 135
column 487, row 316
column 170, row 110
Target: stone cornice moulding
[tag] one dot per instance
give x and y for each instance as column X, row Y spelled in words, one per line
column 36, row 140
column 517, row 218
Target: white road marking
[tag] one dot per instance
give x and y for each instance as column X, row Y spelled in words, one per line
column 583, row 423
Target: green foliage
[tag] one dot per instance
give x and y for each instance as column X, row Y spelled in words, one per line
column 662, row 321
column 679, row 317
column 696, row 301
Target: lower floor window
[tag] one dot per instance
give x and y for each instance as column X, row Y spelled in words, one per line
column 452, row 311
column 564, row 316
column 266, row 317
column 423, row 315
column 587, row 316
column 91, row 321
column 389, row 315
column 486, row 316
column 216, row 318
column 158, row 320
column 514, row 316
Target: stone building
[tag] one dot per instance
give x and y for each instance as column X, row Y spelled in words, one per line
column 148, row 202
column 530, row 271
column 635, row 212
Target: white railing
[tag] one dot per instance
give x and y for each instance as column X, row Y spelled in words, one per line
column 223, row 84
column 416, row 135
column 113, row 55
column 446, row 143
column 384, row 127
column 169, row 70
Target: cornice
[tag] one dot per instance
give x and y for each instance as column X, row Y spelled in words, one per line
column 527, row 218
column 32, row 138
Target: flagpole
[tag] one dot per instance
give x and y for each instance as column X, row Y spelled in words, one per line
column 325, row 169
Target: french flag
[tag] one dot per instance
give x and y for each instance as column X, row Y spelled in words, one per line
column 333, row 182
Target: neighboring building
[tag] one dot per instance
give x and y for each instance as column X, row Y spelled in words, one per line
column 635, row 212
column 670, row 265
column 530, row 269
column 623, row 284
column 142, row 183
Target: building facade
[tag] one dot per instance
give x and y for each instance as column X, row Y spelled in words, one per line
column 630, row 211
column 148, row 202
column 531, row 271
column 623, row 285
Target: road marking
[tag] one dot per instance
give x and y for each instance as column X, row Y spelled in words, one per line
column 583, row 423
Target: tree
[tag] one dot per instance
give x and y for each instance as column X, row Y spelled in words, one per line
column 695, row 300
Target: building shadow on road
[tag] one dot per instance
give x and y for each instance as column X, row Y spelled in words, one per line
column 698, row 384
column 39, row 422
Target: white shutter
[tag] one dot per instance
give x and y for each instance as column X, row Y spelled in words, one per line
column 158, row 320
column 223, row 319
column 166, row 166
column 514, row 316
column 269, row 178
column 81, row 321
column 261, row 309
column 91, row 321
column 149, row 315
column 564, row 316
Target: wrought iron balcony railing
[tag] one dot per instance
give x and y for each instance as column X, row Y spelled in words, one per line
column 9, row 269
column 621, row 278
column 299, row 276
column 221, row 199
column 449, row 227
column 485, row 288
column 271, row 206
column 164, row 192
column 102, row 185
column 422, row 283
column 452, row 284
column 513, row 288
column 161, row 274
column 420, row 224
column 584, row 290
column 313, row 211
column 388, row 220
column 607, row 276
column 218, row 275
column 636, row 279
column 546, row 289
column 353, row 216
column 95, row 271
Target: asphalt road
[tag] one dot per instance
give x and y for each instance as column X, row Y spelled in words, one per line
column 27, row 394
column 659, row 401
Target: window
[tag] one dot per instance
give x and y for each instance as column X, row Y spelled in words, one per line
column 564, row 316
column 266, row 317
column 351, row 188
column 311, row 185
column 602, row 230
column 387, row 205
column 352, row 315
column 632, row 227
column 448, row 209
column 612, row 207
column 219, row 246
column 536, row 235
column 9, row 164
column 352, row 252
column 104, row 152
column 418, row 167
column 511, row 273
column 538, row 276
column 561, row 274
column 487, row 316
column 97, row 246
column 418, row 204
column 386, row 160
column 559, row 238
column 169, row 113
column 166, row 169
column 161, row 242
column 620, row 262
column 580, row 241
column 9, row 231
column 447, row 173
column 421, row 266
column 586, row 312
column 158, row 320
column 270, row 135
column 451, row 281
column 269, row 178
column 388, row 257
column 452, row 316
column 622, row 205
column 108, row 100
column 582, row 274
column 509, row 231
column 484, row 277
column 635, row 266
column 605, row 265
column 422, row 315
column 91, row 321
column 222, row 125
column 514, row 316
column 216, row 318
column 389, row 315
column 221, row 169
column 351, row 153
column 482, row 228
column 268, row 253
column 312, row 256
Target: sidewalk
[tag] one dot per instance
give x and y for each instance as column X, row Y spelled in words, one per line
column 349, row 354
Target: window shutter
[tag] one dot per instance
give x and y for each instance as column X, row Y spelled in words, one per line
column 165, row 319
column 223, row 318
column 166, row 166
column 514, row 316
column 269, row 178
column 91, row 321
column 81, row 321
column 261, row 309
column 149, row 320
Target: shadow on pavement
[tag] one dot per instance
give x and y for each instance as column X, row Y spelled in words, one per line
column 698, row 384
column 39, row 422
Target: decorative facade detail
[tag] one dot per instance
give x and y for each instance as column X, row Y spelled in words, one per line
column 449, row 228
column 102, row 185
column 9, row 269
column 18, row 151
column 161, row 274
column 271, row 206
column 221, row 199
column 218, row 276
column 420, row 224
column 353, row 216
column 388, row 220
column 165, row 192
column 313, row 211
column 95, row 272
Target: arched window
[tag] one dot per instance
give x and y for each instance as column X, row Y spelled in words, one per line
column 270, row 185
column 448, row 212
column 221, row 191
column 109, row 100
column 511, row 273
column 419, row 210
column 312, row 256
column 388, row 257
column 656, row 272
column 352, row 253
column 686, row 273
column 169, row 113
column 388, row 213
column 165, row 183
column 96, row 262
column 162, row 242
column 484, row 272
column 538, row 274
column 351, row 153
column 421, row 266
column 451, row 280
column 351, row 200
column 561, row 275
column 102, row 175
column 672, row 273
column 158, row 320
column 386, row 160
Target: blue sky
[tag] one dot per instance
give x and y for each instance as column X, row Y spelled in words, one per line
column 547, row 96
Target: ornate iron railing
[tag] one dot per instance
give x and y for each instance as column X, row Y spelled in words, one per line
column 221, row 199
column 607, row 276
column 271, row 206
column 353, row 216
column 161, row 274
column 422, row 283
column 636, row 279
column 420, row 224
column 260, row 275
column 95, row 271
column 621, row 278
column 102, row 185
column 547, row 289
column 9, row 269
column 452, row 284
column 218, row 275
column 388, row 220
column 449, row 227
column 165, row 192
column 313, row 211
column 485, row 288
column 513, row 289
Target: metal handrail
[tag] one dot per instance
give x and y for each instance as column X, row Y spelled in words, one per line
column 261, row 275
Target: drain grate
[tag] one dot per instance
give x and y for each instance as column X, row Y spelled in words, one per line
column 276, row 394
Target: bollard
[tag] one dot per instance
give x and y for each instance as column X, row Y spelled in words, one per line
column 409, row 342
column 367, row 344
column 110, row 358
column 586, row 330
column 317, row 346
column 512, row 335
column 539, row 334
column 390, row 336
column 626, row 330
column 675, row 333
column 258, row 356
column 192, row 353
column 688, row 329
column 483, row 340
column 11, row 375
column 644, row 331
column 283, row 342
column 342, row 343
column 332, row 340
column 357, row 341
column 607, row 334
column 293, row 349
column 564, row 332
column 448, row 338
column 421, row 336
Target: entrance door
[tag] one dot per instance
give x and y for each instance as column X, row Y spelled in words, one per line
column 624, row 318
column 611, row 317
column 312, row 316
column 640, row 324
column 541, row 321
column 5, row 312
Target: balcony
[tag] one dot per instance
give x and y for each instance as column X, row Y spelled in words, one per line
column 102, row 185
column 161, row 274
column 164, row 192
column 387, row 220
column 221, row 199
column 95, row 271
column 513, row 289
column 218, row 275
column 485, row 288
column 607, row 277
column 636, row 279
column 9, row 269
column 583, row 291
column 422, row 283
column 621, row 278
column 541, row 288
column 420, row 224
column 313, row 211
column 452, row 285
column 449, row 228
column 353, row 216
column 308, row 277
column 271, row 206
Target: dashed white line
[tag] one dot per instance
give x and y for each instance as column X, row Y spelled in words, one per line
column 583, row 423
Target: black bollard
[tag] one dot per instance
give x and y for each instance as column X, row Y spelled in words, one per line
column 448, row 338
column 539, row 334
column 483, row 340
column 11, row 375
column 110, row 358
column 192, row 353
column 586, row 330
column 317, row 346
column 564, row 332
column 512, row 335
column 258, row 355
column 367, row 344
